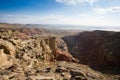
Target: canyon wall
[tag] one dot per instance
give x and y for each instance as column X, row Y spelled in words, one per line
column 96, row 49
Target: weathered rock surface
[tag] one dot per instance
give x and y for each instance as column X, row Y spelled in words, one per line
column 58, row 71
column 97, row 48
column 3, row 58
column 7, row 52
column 30, row 50
column 7, row 47
column 62, row 53
column 24, row 56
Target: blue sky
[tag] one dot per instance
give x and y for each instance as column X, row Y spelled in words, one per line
column 76, row 12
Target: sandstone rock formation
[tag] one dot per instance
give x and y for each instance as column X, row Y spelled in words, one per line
column 97, row 48
column 25, row 56
column 62, row 53
column 35, row 48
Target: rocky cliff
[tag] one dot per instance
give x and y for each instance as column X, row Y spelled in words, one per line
column 96, row 49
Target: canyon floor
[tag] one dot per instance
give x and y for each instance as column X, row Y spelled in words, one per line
column 52, row 54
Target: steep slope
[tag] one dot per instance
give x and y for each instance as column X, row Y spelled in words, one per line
column 96, row 49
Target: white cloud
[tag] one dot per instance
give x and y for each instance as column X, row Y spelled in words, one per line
column 100, row 10
column 74, row 2
column 14, row 16
column 81, row 19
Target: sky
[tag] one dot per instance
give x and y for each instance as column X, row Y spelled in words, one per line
column 74, row 12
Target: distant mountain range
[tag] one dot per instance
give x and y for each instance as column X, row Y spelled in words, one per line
column 81, row 27
column 62, row 26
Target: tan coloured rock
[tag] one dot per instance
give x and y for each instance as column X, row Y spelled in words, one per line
column 3, row 58
column 7, row 47
column 7, row 51
column 62, row 53
column 64, row 56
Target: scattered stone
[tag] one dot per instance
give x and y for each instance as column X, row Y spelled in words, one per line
column 77, row 73
column 48, row 69
column 62, row 74
column 65, row 79
column 60, row 70
column 42, row 77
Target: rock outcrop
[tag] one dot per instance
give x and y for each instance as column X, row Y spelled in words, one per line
column 34, row 48
column 39, row 48
column 62, row 53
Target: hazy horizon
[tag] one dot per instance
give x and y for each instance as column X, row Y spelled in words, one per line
column 69, row 27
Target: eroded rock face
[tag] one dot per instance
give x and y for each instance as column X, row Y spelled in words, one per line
column 89, row 49
column 57, row 46
column 62, row 53
column 31, row 54
column 97, row 48
column 36, row 48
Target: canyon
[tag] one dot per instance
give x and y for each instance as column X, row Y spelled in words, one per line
column 28, row 53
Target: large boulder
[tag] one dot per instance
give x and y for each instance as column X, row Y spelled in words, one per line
column 7, row 47
column 64, row 56
column 7, row 53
